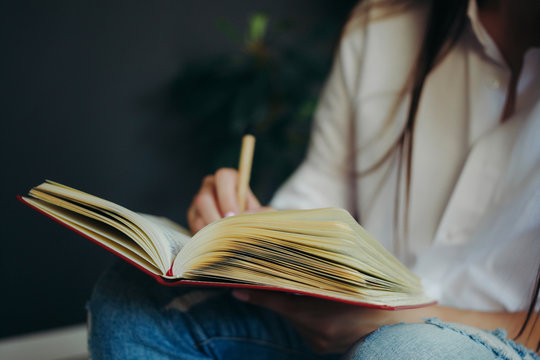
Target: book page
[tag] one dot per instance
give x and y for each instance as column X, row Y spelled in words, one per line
column 331, row 230
column 160, row 239
column 175, row 235
column 102, row 233
column 99, row 216
column 321, row 251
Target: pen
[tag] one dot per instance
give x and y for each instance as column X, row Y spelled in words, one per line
column 244, row 169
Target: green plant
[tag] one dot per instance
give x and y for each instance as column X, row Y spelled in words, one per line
column 268, row 88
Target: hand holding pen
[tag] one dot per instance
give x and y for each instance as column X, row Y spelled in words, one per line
column 226, row 192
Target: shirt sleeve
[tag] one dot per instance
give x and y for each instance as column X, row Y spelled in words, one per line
column 324, row 177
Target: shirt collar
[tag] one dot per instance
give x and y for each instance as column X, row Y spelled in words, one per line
column 481, row 34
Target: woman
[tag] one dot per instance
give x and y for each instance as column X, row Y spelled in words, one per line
column 428, row 131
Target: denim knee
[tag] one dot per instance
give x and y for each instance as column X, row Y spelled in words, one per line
column 125, row 320
column 131, row 316
column 435, row 339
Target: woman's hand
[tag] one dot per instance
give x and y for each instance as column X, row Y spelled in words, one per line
column 326, row 326
column 333, row 327
column 217, row 198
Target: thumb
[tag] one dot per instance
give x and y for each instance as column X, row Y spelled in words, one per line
column 280, row 303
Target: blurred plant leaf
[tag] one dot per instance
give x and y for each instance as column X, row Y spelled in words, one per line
column 257, row 27
column 267, row 86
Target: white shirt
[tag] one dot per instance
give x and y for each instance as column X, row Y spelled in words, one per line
column 474, row 215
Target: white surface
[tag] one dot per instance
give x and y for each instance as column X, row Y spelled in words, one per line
column 64, row 343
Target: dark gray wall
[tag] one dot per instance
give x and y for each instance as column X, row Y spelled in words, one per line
column 82, row 85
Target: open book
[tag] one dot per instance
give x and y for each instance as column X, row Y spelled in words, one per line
column 323, row 252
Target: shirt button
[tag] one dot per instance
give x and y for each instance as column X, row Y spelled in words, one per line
column 445, row 237
column 452, row 237
column 494, row 83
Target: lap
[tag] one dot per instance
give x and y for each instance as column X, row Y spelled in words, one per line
column 132, row 316
column 435, row 339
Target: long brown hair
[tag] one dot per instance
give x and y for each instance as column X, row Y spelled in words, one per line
column 530, row 310
column 446, row 21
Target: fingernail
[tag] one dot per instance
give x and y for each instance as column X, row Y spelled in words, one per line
column 241, row 295
column 229, row 213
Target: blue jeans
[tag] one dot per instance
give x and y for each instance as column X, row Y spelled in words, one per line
column 131, row 316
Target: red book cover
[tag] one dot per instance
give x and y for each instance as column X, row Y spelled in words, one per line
column 195, row 283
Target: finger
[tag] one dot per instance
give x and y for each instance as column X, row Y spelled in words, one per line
column 291, row 305
column 226, row 188
column 315, row 341
column 205, row 202
column 197, row 225
column 284, row 304
column 192, row 215
column 195, row 220
column 252, row 204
